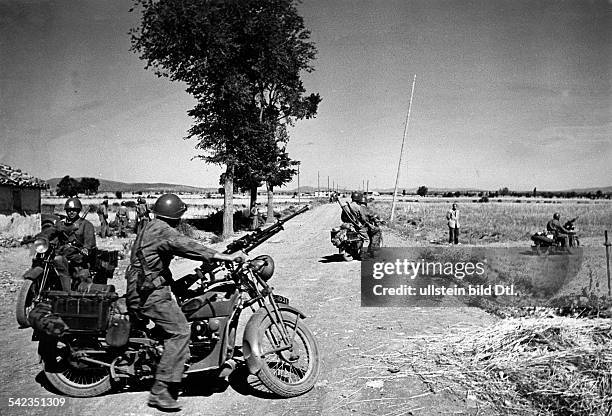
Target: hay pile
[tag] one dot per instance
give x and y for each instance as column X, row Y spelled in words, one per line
column 556, row 366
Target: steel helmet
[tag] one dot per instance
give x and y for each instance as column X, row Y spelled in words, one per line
column 169, row 206
column 556, row 216
column 264, row 266
column 73, row 203
column 357, row 196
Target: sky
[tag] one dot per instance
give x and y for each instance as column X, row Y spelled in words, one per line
column 508, row 93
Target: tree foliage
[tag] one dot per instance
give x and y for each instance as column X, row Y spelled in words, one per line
column 89, row 185
column 422, row 190
column 68, row 187
column 242, row 61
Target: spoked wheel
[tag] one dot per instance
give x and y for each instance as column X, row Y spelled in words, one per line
column 293, row 371
column 24, row 305
column 77, row 378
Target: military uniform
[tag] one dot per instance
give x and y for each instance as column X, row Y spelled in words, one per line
column 72, row 238
column 369, row 231
column 122, row 221
column 148, row 291
column 555, row 227
column 103, row 216
column 142, row 215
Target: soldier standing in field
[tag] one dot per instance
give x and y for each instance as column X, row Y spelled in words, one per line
column 142, row 213
column 122, row 220
column 452, row 217
column 103, row 216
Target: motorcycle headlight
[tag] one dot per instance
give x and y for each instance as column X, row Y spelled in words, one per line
column 41, row 245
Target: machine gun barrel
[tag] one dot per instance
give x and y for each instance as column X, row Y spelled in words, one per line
column 254, row 239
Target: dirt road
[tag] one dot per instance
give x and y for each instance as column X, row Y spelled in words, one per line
column 328, row 291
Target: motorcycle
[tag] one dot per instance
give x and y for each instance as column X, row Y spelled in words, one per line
column 93, row 356
column 43, row 275
column 348, row 241
column 348, row 238
column 544, row 242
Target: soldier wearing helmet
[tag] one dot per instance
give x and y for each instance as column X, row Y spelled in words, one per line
column 369, row 229
column 555, row 227
column 122, row 220
column 148, row 291
column 142, row 213
column 76, row 239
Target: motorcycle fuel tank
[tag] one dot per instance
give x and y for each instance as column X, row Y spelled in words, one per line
column 210, row 305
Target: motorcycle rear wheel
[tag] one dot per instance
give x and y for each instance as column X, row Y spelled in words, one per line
column 24, row 303
column 288, row 373
column 69, row 379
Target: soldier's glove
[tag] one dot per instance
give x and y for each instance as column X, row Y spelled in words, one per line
column 240, row 257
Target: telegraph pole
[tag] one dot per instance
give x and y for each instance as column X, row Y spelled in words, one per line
column 299, row 196
column 399, row 165
column 318, row 184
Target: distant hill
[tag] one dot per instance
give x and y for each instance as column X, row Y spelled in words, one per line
column 113, row 186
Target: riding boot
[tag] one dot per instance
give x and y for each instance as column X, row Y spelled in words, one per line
column 161, row 397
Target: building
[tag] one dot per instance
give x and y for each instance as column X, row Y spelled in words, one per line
column 19, row 192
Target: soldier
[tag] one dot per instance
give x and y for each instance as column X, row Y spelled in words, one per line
column 103, row 216
column 142, row 213
column 122, row 220
column 559, row 231
column 76, row 238
column 254, row 217
column 148, row 291
column 369, row 230
column 452, row 218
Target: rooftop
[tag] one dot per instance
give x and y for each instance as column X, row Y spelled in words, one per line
column 15, row 177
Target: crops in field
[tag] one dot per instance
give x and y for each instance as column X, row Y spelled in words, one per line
column 483, row 223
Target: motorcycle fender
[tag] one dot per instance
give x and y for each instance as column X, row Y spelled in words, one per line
column 250, row 344
column 33, row 274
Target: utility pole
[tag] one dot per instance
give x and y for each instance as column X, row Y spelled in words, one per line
column 318, row 184
column 368, row 186
column 608, row 244
column 327, row 185
column 299, row 195
column 399, row 165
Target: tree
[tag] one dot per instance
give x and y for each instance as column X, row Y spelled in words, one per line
column 242, row 62
column 422, row 191
column 68, row 187
column 504, row 191
column 90, row 185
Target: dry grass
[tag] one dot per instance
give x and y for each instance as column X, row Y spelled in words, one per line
column 482, row 223
column 554, row 366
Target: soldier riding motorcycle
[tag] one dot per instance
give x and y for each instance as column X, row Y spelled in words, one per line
column 98, row 350
column 554, row 237
column 65, row 255
column 359, row 228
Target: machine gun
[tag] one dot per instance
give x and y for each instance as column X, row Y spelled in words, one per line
column 570, row 224
column 254, row 239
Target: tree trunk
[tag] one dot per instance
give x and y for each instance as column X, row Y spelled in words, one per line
column 253, row 196
column 270, row 218
column 228, row 204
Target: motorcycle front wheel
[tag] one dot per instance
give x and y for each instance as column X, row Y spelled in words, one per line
column 24, row 303
column 291, row 372
column 74, row 378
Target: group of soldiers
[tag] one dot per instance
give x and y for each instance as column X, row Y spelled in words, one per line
column 122, row 218
column 148, row 277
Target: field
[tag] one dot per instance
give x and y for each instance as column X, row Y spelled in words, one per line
column 496, row 222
